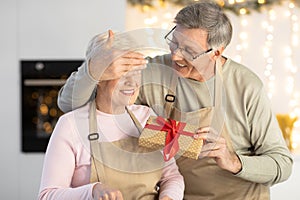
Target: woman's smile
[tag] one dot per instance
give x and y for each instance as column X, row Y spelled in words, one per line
column 128, row 92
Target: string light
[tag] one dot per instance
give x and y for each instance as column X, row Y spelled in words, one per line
column 292, row 70
column 159, row 15
column 270, row 77
column 243, row 38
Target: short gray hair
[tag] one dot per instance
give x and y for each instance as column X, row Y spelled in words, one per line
column 208, row 16
column 121, row 41
column 95, row 43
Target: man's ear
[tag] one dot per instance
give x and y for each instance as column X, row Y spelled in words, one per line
column 218, row 52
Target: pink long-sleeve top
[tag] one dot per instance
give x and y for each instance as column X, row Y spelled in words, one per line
column 67, row 166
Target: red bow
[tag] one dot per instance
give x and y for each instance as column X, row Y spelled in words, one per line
column 173, row 132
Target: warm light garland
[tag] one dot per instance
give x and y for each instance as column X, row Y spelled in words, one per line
column 236, row 6
column 291, row 69
column 294, row 103
column 243, row 38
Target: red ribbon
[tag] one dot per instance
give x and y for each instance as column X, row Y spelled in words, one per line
column 174, row 130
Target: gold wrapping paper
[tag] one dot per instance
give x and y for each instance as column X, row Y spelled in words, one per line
column 155, row 139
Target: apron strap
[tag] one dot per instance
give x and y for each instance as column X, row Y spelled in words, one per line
column 135, row 120
column 95, row 146
column 171, row 96
column 99, row 170
column 218, row 120
column 218, row 84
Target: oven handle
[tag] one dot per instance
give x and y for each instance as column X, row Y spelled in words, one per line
column 44, row 82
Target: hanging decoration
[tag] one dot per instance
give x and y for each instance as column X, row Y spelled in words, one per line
column 238, row 7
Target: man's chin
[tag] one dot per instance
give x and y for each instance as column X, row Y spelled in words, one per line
column 181, row 71
column 184, row 73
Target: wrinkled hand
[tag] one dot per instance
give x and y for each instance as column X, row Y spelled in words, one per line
column 114, row 58
column 214, row 146
column 103, row 192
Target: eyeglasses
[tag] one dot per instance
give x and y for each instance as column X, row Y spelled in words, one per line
column 186, row 51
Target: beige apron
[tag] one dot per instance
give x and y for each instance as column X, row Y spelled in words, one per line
column 204, row 179
column 124, row 165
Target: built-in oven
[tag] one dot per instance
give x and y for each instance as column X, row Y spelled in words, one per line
column 40, row 84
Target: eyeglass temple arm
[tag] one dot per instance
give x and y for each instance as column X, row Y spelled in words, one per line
column 170, row 32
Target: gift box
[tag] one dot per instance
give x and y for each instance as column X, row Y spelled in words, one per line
column 172, row 136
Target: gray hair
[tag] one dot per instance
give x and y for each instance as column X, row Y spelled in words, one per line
column 95, row 43
column 99, row 45
column 208, row 16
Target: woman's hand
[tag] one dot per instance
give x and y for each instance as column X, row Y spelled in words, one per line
column 103, row 192
column 215, row 146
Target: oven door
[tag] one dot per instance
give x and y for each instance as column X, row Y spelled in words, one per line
column 41, row 82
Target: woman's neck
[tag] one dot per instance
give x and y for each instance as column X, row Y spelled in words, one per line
column 109, row 108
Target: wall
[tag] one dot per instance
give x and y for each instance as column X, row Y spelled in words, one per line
column 289, row 189
column 33, row 29
column 9, row 106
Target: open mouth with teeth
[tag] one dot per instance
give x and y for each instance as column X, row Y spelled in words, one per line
column 180, row 65
column 128, row 92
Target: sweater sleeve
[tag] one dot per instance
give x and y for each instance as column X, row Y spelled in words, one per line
column 172, row 184
column 271, row 161
column 59, row 166
column 79, row 89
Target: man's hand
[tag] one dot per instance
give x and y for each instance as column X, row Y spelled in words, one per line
column 214, row 146
column 124, row 63
column 114, row 58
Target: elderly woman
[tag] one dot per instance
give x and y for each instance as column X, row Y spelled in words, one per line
column 93, row 152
